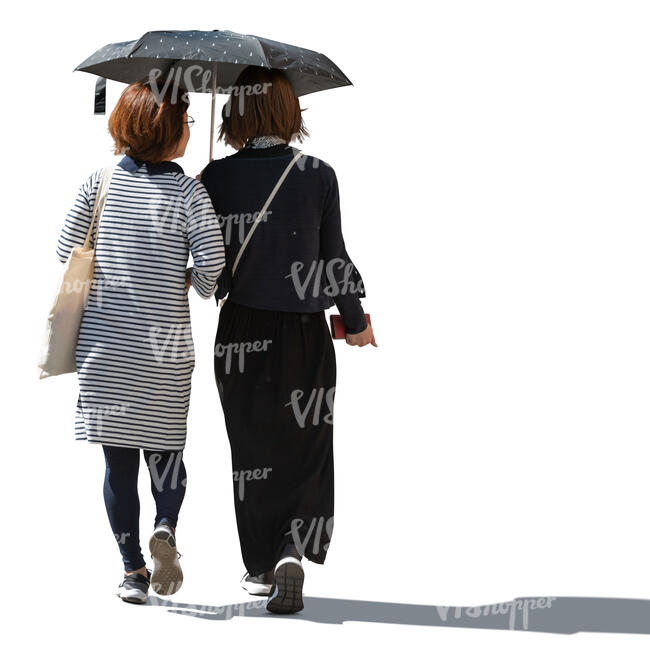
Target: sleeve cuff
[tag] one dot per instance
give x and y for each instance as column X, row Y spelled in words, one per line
column 356, row 324
column 203, row 286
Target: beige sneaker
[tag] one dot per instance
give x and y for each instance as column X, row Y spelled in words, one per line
column 167, row 575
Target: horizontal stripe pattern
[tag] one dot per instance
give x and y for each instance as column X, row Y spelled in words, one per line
column 135, row 353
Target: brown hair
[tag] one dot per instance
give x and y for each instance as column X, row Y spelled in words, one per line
column 262, row 103
column 146, row 126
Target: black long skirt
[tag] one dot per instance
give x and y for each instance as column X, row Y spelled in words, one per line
column 276, row 376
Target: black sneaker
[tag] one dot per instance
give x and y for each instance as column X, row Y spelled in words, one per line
column 167, row 576
column 134, row 587
column 286, row 592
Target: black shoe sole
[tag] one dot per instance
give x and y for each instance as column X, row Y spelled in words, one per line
column 286, row 592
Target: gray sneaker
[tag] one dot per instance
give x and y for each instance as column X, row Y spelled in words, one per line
column 134, row 587
column 259, row 585
column 167, row 576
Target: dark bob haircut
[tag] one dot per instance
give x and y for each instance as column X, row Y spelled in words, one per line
column 262, row 102
column 145, row 125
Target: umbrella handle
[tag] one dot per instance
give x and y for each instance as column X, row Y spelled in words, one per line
column 214, row 107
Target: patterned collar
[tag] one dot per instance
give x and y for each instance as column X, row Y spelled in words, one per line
column 264, row 141
column 133, row 165
column 266, row 152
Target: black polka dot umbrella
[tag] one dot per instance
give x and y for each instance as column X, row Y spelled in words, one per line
column 207, row 62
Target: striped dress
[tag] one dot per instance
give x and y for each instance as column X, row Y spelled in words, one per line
column 135, row 354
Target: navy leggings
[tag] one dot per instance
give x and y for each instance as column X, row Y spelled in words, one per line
column 168, row 479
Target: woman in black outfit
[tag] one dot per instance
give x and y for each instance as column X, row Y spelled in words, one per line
column 274, row 361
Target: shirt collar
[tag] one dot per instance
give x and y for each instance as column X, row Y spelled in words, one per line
column 264, row 141
column 265, row 152
column 133, row 165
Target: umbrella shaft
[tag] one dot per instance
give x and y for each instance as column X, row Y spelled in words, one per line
column 214, row 107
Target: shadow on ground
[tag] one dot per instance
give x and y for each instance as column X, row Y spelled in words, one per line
column 532, row 614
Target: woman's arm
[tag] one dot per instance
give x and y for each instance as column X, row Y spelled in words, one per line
column 205, row 241
column 77, row 222
column 342, row 278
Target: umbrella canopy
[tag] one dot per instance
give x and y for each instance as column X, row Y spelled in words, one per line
column 224, row 51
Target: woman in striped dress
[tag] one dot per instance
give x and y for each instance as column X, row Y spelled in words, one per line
column 134, row 354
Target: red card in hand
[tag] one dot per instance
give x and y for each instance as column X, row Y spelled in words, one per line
column 337, row 327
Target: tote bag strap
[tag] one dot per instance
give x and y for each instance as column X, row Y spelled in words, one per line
column 100, row 201
column 263, row 210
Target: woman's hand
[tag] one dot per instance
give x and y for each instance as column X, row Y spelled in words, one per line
column 362, row 338
column 188, row 279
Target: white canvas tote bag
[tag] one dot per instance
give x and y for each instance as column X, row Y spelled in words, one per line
column 62, row 331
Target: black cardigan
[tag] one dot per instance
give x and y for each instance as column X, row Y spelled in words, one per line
column 296, row 259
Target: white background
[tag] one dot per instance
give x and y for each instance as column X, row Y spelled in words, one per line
column 493, row 165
